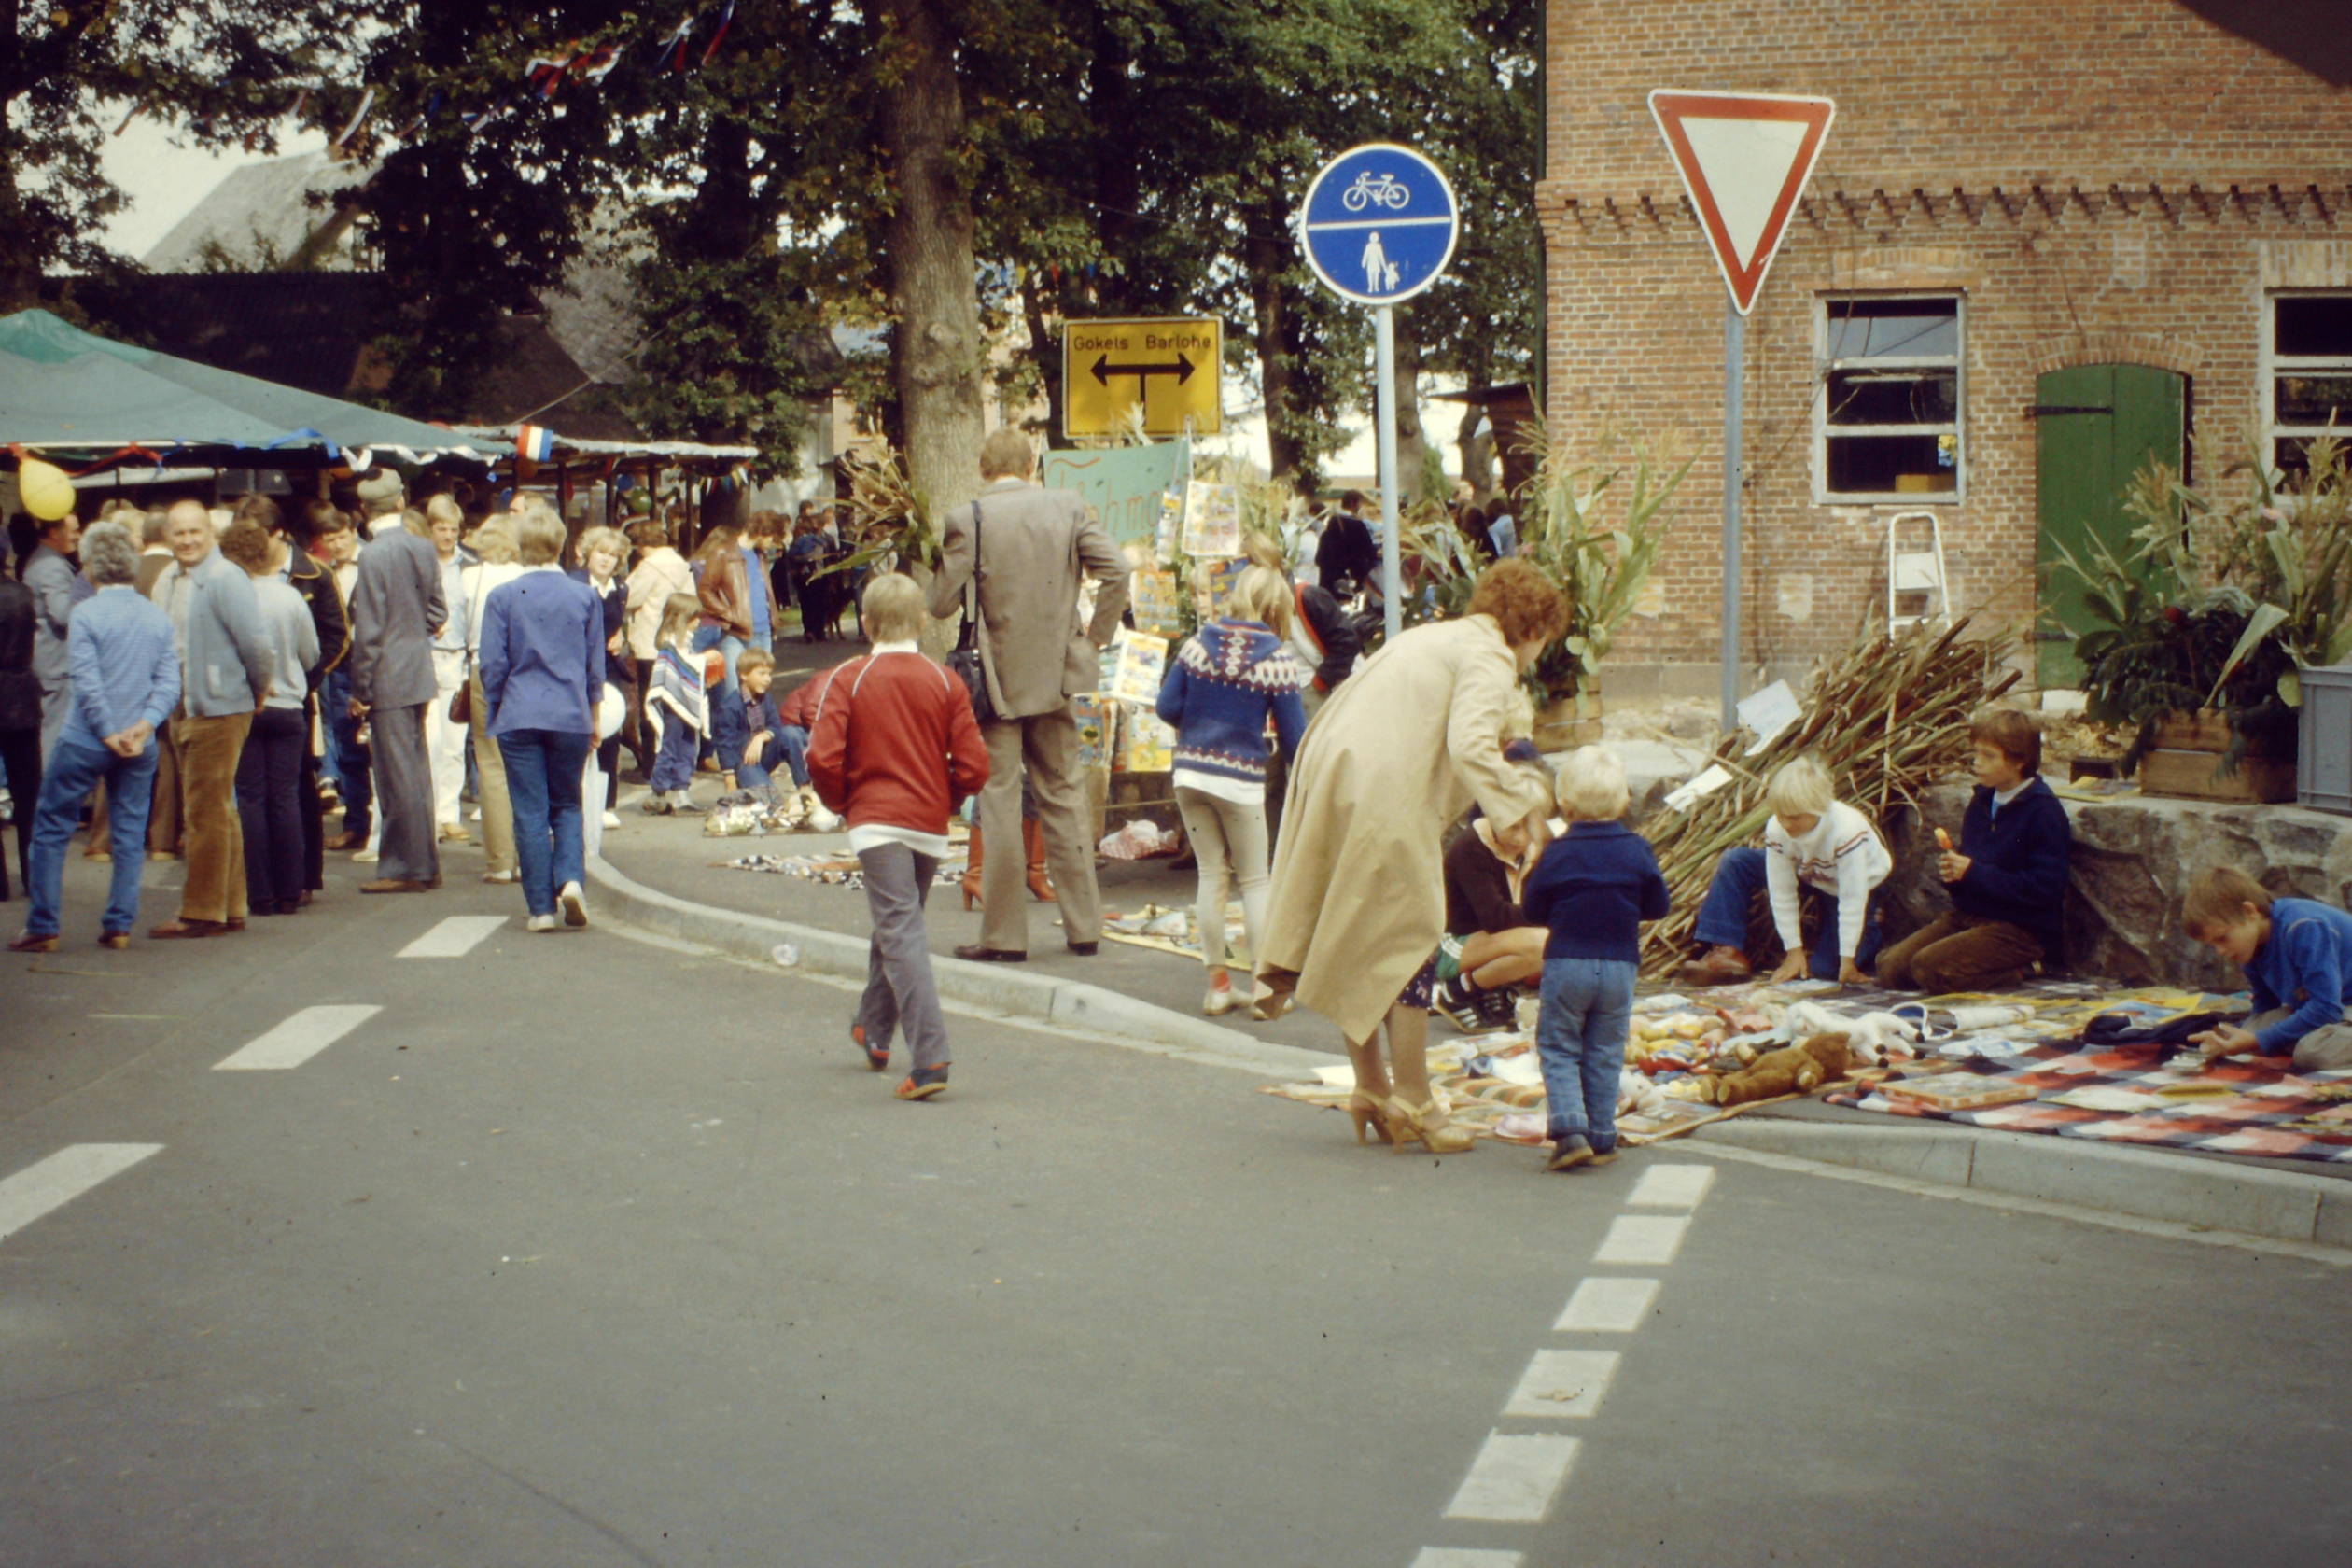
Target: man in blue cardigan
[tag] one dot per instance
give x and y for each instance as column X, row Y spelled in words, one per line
column 224, row 661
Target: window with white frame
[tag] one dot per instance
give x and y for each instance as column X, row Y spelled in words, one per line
column 1888, row 420
column 2310, row 373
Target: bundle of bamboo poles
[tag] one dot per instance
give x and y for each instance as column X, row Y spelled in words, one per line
column 1887, row 718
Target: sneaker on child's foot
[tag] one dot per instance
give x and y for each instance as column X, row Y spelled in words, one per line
column 923, row 1082
column 1569, row 1153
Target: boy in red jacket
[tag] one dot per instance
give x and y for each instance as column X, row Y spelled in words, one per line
column 895, row 749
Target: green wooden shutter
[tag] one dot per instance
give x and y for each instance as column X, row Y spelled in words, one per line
column 2094, row 426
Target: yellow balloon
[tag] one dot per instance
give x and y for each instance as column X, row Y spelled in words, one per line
column 44, row 489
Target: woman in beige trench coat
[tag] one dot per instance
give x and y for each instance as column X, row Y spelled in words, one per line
column 1358, row 902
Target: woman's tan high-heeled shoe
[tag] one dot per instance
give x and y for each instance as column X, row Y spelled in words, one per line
column 1422, row 1126
column 1369, row 1113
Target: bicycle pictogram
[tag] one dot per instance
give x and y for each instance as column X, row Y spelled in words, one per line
column 1370, row 189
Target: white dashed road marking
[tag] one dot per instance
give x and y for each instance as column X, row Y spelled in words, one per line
column 1458, row 1557
column 1608, row 1304
column 297, row 1040
column 1513, row 1478
column 1672, row 1186
column 1564, row 1385
column 62, row 1177
column 453, row 938
column 1643, row 1238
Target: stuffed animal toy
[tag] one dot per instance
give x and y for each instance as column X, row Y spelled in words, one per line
column 1792, row 1069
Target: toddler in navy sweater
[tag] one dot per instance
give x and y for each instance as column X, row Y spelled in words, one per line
column 1593, row 888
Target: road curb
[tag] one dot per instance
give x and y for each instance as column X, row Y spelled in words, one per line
column 2144, row 1183
column 1003, row 988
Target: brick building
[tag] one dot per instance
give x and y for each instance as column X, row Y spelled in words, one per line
column 2044, row 238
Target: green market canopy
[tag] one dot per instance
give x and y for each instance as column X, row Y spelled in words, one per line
column 88, row 402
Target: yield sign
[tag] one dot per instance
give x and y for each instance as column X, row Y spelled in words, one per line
column 1744, row 158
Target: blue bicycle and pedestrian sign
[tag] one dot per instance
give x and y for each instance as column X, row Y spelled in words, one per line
column 1380, row 222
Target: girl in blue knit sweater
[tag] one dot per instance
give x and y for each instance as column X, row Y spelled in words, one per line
column 1228, row 681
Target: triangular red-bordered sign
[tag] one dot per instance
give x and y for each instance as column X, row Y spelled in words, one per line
column 1744, row 158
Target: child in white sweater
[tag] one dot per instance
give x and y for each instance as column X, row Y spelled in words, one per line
column 1813, row 841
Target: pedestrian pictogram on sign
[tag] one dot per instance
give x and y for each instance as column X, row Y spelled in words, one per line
column 1380, row 223
column 1744, row 158
column 1170, row 369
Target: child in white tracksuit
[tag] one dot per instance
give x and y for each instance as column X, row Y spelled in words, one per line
column 676, row 703
column 1812, row 840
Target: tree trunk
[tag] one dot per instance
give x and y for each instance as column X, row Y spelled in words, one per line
column 1477, row 449
column 1266, row 250
column 1046, row 346
column 934, row 295
column 1412, row 444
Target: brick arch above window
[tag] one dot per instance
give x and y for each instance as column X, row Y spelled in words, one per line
column 2114, row 346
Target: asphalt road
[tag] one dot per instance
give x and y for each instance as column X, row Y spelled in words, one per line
column 584, row 1251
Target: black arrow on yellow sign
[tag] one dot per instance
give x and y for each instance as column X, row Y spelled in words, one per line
column 1182, row 368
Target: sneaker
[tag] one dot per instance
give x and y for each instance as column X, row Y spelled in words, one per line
column 1497, row 1009
column 923, row 1082
column 1222, row 998
column 1570, row 1153
column 366, row 857
column 656, row 806
column 502, row 876
column 539, row 923
column 574, row 906
column 1603, row 1156
column 878, row 1060
column 1459, row 1004
column 612, row 818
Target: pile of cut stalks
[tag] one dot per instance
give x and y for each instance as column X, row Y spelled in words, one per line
column 1887, row 718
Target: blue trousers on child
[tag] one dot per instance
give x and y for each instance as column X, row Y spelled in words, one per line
column 1723, row 918
column 1580, row 1035
column 674, row 763
column 787, row 753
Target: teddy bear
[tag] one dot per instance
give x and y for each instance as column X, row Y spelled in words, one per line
column 1792, row 1069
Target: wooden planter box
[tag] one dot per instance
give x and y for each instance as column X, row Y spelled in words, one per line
column 1567, row 722
column 2185, row 764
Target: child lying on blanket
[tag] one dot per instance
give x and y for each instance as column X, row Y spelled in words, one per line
column 2297, row 954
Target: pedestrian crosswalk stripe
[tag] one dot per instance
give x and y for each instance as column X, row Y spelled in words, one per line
column 300, row 1038
column 453, row 938
column 1672, row 1186
column 1608, row 1304
column 1514, row 1478
column 1564, row 1385
column 1643, row 1238
column 62, row 1177
column 1465, row 1557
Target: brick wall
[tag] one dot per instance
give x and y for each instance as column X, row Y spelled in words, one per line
column 2100, row 182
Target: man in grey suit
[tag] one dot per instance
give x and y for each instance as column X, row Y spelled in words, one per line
column 224, row 661
column 1036, row 548
column 396, row 607
column 49, row 571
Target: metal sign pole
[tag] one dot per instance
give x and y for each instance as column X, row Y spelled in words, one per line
column 1392, row 574
column 1735, row 389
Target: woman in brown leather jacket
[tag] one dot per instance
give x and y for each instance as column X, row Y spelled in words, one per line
column 723, row 585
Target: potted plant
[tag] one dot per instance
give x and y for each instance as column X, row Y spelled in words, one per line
column 2210, row 614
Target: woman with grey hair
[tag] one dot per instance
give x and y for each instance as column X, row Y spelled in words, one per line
column 126, row 681
column 542, row 672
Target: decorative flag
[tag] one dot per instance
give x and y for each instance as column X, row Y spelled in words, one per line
column 545, row 75
column 367, row 103
column 673, row 55
column 535, row 444
column 596, row 63
column 726, row 19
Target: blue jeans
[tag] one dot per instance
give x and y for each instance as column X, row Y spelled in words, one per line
column 543, row 770
column 791, row 744
column 1738, row 878
column 674, row 760
column 721, row 697
column 355, row 784
column 1580, row 1043
column 75, row 766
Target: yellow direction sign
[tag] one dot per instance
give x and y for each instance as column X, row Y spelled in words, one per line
column 1169, row 368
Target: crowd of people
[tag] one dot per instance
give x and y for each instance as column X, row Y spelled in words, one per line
column 213, row 685
column 203, row 683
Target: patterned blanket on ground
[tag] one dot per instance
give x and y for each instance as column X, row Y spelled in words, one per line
column 2131, row 1095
